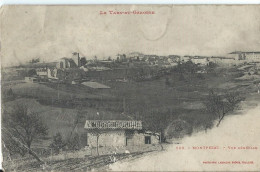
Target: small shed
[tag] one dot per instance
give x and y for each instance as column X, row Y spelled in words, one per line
column 118, row 133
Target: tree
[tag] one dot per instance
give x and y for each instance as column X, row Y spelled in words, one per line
column 57, row 142
column 73, row 140
column 21, row 127
column 232, row 100
column 95, row 58
column 178, row 128
column 10, row 92
column 35, row 60
column 15, row 145
column 25, row 125
column 12, row 146
column 74, row 143
column 187, row 67
column 190, row 67
column 83, row 61
column 215, row 106
column 212, row 65
column 179, row 67
column 9, row 95
column 210, row 68
column 75, row 53
column 219, row 105
column 32, row 72
column 157, row 122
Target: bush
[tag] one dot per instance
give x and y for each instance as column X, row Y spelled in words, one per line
column 32, row 72
column 74, row 143
column 8, row 95
column 57, row 143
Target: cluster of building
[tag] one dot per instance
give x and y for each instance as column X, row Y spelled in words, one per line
column 70, row 68
column 53, row 71
column 233, row 58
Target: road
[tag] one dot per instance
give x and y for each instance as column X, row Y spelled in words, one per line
column 236, row 131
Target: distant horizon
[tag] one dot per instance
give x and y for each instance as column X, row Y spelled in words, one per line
column 114, row 57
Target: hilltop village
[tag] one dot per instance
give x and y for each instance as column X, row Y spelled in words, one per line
column 133, row 66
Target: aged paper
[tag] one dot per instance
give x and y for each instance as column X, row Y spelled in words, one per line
column 130, row 87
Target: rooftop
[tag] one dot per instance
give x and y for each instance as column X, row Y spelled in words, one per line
column 200, row 57
column 219, row 57
column 247, row 52
column 95, row 85
column 113, row 124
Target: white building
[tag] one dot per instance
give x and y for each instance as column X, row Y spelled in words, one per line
column 245, row 56
column 118, row 133
column 224, row 61
column 185, row 58
column 200, row 60
column 65, row 62
column 135, row 55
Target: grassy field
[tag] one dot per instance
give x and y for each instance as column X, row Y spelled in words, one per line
column 180, row 98
column 183, row 98
column 42, row 90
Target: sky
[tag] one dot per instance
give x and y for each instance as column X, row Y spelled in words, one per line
column 53, row 32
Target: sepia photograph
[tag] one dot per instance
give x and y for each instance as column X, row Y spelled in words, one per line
column 130, row 87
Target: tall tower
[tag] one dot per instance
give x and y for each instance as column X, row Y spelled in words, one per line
column 76, row 58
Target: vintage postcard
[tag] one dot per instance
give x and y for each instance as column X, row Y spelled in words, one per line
column 130, row 87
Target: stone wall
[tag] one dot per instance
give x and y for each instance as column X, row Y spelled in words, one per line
column 107, row 138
